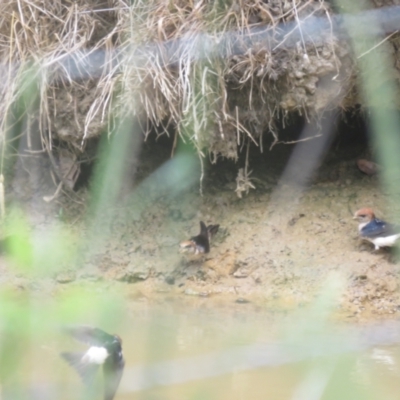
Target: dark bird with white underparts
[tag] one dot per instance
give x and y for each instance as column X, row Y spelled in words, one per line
column 200, row 244
column 376, row 231
column 105, row 351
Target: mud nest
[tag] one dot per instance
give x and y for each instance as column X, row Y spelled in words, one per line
column 217, row 73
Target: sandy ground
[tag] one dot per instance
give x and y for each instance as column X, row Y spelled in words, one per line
column 276, row 246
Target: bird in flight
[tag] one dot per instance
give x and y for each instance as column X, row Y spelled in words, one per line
column 105, row 351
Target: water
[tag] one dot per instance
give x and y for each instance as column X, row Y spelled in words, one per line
column 202, row 350
column 198, row 351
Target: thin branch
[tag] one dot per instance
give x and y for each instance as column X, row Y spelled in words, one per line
column 377, row 45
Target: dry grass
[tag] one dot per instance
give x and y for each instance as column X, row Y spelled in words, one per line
column 35, row 38
column 216, row 97
column 219, row 101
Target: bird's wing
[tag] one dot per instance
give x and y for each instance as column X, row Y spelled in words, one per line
column 89, row 335
column 212, row 230
column 202, row 238
column 87, row 371
column 378, row 228
column 112, row 370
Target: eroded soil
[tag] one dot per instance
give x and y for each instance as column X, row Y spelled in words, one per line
column 277, row 246
column 280, row 256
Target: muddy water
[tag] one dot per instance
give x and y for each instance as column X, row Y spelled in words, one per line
column 259, row 355
column 195, row 349
column 243, row 352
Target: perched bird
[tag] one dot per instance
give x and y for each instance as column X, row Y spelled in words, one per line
column 105, row 350
column 201, row 243
column 370, row 228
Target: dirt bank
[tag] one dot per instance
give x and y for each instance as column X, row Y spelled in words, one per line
column 276, row 247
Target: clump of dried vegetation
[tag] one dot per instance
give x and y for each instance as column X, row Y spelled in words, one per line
column 173, row 64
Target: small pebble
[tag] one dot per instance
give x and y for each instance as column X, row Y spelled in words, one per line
column 191, row 292
column 66, row 277
column 170, row 280
column 241, row 300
